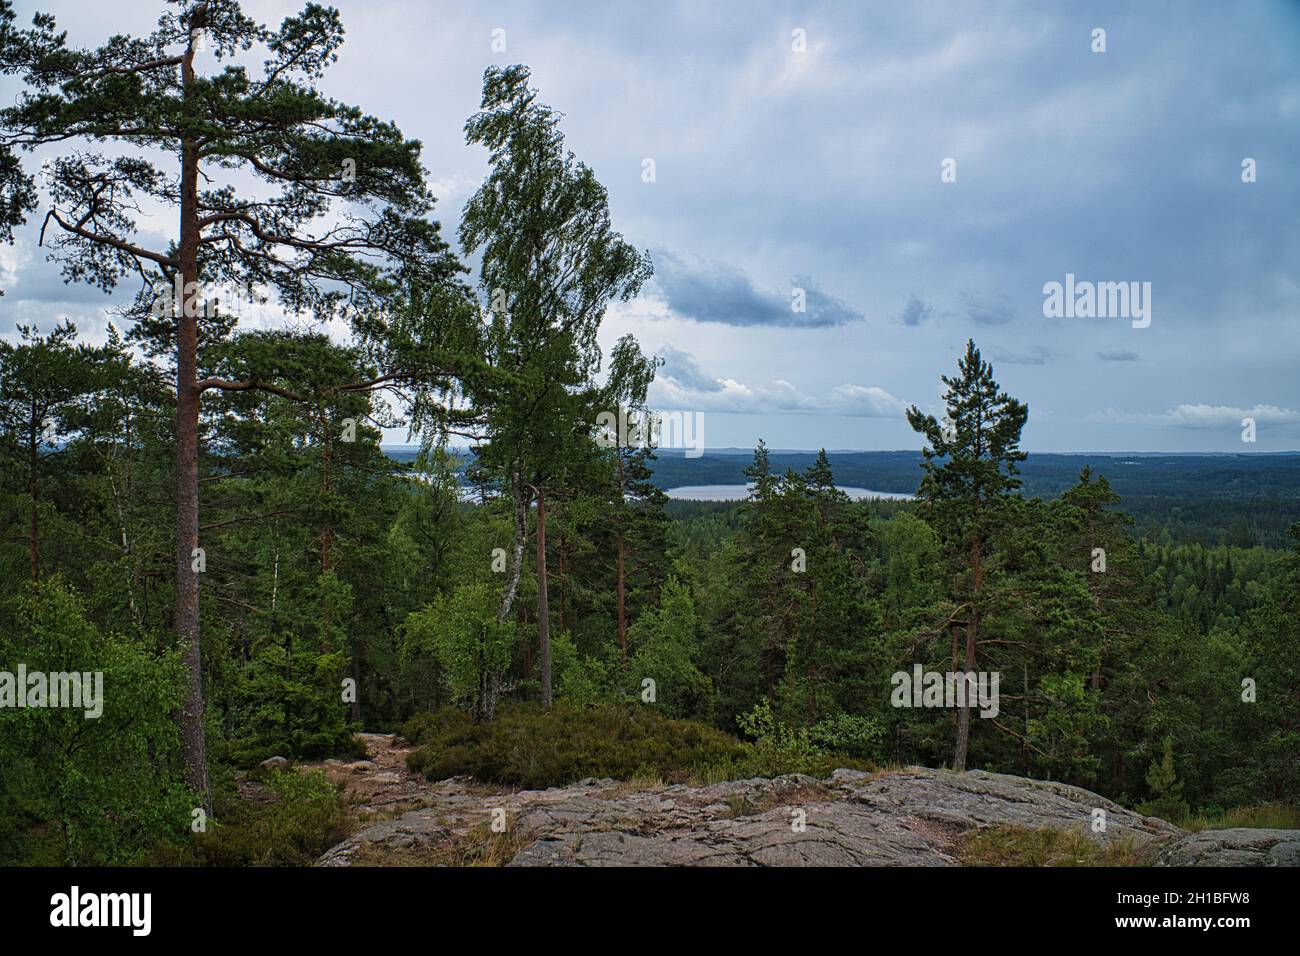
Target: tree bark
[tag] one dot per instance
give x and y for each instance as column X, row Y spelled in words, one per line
column 962, row 746
column 1094, row 588
column 33, row 532
column 355, row 709
column 193, row 743
column 326, row 487
column 517, row 550
column 622, row 612
column 543, row 611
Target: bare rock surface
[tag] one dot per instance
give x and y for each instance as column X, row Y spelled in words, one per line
column 910, row 817
column 1236, row 847
column 905, row 818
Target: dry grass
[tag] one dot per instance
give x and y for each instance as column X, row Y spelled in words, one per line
column 1268, row 816
column 484, row 847
column 1024, row 846
column 479, row 847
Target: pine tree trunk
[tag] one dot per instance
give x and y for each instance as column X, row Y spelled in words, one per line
column 962, row 746
column 1094, row 587
column 193, row 743
column 963, row 713
column 543, row 611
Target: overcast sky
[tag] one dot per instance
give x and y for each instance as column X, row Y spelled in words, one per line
column 779, row 169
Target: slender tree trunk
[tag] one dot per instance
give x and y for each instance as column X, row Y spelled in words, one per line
column 962, row 746
column 528, row 650
column 622, row 605
column 563, row 551
column 126, row 542
column 193, row 744
column 543, row 611
column 327, row 538
column 128, row 486
column 33, row 533
column 327, row 486
column 1094, row 586
column 355, row 709
column 517, row 550
column 288, row 681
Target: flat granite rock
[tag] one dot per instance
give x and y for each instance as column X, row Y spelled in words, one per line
column 1236, row 847
column 906, row 818
column 909, row 817
column 411, row 833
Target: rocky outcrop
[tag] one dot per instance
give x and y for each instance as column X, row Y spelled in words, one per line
column 401, row 841
column 1239, row 847
column 906, row 818
column 911, row 817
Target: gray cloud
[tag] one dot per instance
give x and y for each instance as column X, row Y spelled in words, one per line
column 688, row 386
column 1036, row 355
column 1118, row 355
column 987, row 311
column 1206, row 416
column 716, row 292
column 681, row 369
column 915, row 311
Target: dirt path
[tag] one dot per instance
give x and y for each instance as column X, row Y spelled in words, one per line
column 379, row 784
column 401, row 819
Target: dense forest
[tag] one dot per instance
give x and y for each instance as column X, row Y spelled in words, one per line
column 202, row 511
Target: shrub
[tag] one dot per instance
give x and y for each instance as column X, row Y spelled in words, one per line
column 301, row 821
column 528, row 746
column 841, row 741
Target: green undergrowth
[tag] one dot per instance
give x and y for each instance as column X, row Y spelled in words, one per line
column 528, row 746
column 1268, row 816
column 279, row 818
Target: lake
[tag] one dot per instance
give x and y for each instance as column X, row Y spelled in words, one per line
column 739, row 492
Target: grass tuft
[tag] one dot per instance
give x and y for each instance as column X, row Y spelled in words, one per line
column 1024, row 846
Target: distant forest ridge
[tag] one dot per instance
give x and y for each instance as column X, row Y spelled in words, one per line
column 1235, row 499
column 1230, row 476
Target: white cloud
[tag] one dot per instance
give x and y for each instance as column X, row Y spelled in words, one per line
column 1205, row 416
column 700, row 390
column 869, row 401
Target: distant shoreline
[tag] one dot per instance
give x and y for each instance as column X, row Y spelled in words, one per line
column 741, row 492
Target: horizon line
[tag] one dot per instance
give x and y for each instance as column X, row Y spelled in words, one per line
column 917, row 451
